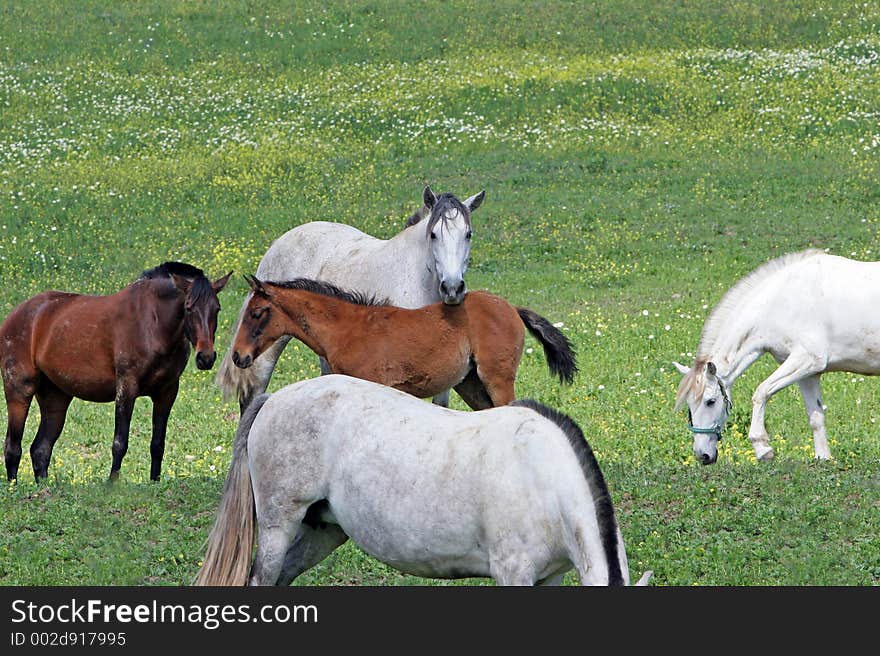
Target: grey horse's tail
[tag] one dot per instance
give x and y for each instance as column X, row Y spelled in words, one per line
column 557, row 348
column 228, row 557
column 235, row 382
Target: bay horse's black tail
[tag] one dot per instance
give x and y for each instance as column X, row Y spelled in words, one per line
column 557, row 348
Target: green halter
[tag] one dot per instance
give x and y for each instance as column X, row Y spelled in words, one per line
column 714, row 429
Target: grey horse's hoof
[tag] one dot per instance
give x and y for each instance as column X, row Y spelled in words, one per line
column 767, row 456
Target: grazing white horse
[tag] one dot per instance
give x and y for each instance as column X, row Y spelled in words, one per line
column 813, row 312
column 513, row 492
column 423, row 264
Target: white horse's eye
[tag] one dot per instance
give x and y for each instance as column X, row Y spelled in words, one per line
column 433, row 235
column 710, row 401
column 468, row 235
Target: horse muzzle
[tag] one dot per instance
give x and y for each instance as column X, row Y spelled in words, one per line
column 205, row 359
column 242, row 362
column 452, row 294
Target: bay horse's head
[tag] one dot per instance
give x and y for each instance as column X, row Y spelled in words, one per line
column 200, row 309
column 449, row 237
column 259, row 326
column 709, row 405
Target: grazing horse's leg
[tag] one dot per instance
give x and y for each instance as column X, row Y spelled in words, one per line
column 797, row 366
column 263, row 366
column 53, row 411
column 473, row 392
column 124, row 407
column 310, row 546
column 812, row 394
column 162, row 403
column 274, row 536
column 17, row 408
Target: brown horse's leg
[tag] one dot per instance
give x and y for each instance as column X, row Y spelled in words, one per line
column 162, row 403
column 17, row 411
column 124, row 407
column 498, row 381
column 53, row 411
column 473, row 392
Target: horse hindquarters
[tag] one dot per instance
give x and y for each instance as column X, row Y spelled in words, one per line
column 20, row 378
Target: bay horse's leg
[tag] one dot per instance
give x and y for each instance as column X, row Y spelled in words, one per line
column 812, row 394
column 53, row 411
column 17, row 407
column 124, row 408
column 473, row 392
column 797, row 366
column 162, row 403
column 310, row 546
column 263, row 368
column 498, row 379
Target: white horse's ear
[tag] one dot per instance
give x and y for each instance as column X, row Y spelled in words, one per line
column 684, row 371
column 475, row 201
column 428, row 197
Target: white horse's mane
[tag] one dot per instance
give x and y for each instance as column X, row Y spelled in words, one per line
column 694, row 382
column 730, row 302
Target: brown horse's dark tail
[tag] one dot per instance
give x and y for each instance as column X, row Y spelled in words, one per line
column 557, row 348
column 228, row 557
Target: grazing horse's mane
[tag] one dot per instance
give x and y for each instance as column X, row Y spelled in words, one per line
column 445, row 202
column 729, row 303
column 201, row 286
column 596, row 481
column 327, row 289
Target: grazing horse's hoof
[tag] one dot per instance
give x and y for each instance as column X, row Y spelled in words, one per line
column 766, row 455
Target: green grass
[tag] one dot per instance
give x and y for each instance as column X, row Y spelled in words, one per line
column 638, row 158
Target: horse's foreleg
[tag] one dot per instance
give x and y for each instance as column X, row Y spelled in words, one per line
column 124, row 408
column 53, row 411
column 17, row 408
column 310, row 546
column 263, row 367
column 812, row 394
column 796, row 367
column 162, row 404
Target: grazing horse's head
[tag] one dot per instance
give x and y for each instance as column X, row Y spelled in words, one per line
column 200, row 309
column 708, row 404
column 449, row 238
column 259, row 325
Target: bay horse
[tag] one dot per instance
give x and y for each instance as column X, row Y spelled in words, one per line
column 474, row 347
column 514, row 493
column 57, row 346
column 423, row 264
column 813, row 312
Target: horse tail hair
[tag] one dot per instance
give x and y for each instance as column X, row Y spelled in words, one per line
column 235, row 382
column 228, row 556
column 557, row 348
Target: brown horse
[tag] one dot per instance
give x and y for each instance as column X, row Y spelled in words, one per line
column 474, row 348
column 57, row 346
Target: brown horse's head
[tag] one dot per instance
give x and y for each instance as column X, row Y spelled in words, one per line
column 260, row 325
column 201, row 307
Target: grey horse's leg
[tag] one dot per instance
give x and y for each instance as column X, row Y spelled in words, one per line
column 273, row 541
column 441, row 399
column 263, row 367
column 311, row 545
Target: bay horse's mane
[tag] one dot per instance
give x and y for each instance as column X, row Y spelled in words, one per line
column 445, row 202
column 328, row 289
column 201, row 287
column 596, row 481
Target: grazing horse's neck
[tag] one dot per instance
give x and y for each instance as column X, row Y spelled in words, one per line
column 733, row 353
column 312, row 317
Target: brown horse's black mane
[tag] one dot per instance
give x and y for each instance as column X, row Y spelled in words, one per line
column 326, row 289
column 201, row 287
column 595, row 479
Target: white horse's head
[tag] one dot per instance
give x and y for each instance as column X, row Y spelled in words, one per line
column 708, row 404
column 449, row 238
